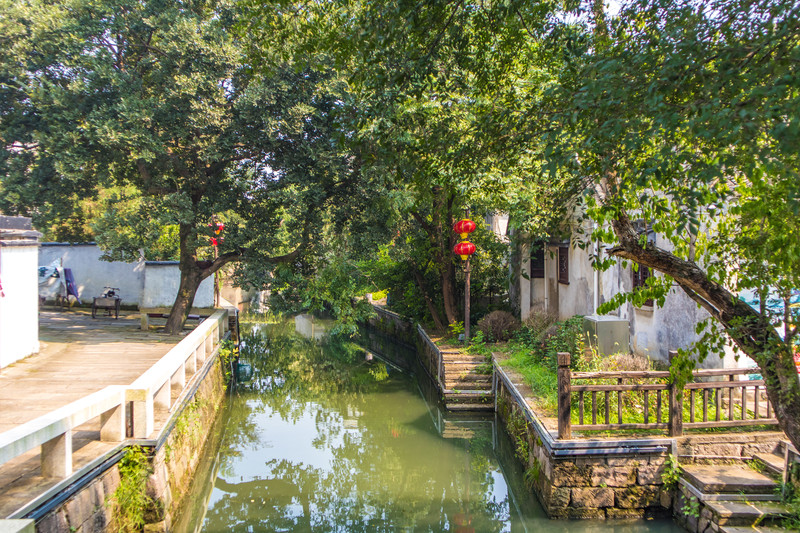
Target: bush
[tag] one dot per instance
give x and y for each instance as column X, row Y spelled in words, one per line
column 498, row 325
column 545, row 337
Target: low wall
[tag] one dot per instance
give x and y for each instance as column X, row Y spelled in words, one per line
column 610, row 478
column 87, row 504
column 142, row 283
column 585, row 479
column 173, row 462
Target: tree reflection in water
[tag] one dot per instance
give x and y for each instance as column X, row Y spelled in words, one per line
column 322, row 440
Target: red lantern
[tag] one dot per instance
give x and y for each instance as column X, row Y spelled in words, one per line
column 464, row 227
column 464, row 249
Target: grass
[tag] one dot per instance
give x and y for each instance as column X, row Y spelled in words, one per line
column 532, row 354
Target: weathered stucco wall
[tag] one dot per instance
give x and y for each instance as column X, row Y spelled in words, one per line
column 142, row 283
column 19, row 306
column 654, row 331
column 161, row 282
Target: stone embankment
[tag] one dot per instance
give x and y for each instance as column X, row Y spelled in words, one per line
column 167, row 411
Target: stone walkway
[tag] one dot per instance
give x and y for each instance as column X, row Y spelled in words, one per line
column 79, row 355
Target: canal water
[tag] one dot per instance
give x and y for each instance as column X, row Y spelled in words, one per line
column 326, row 438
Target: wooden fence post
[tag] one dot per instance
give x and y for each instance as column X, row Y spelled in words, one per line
column 675, row 405
column 564, row 400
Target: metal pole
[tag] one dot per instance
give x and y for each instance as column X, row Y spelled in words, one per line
column 466, row 303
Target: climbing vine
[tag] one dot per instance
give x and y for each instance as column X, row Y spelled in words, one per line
column 130, row 501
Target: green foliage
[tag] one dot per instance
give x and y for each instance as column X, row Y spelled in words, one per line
column 532, row 474
column 671, row 473
column 544, row 341
column 130, row 500
column 517, row 427
column 227, row 354
column 691, row 507
column 791, row 500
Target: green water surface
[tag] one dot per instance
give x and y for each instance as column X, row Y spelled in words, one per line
column 322, row 440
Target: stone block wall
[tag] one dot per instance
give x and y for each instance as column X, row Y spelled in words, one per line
column 87, row 511
column 174, row 463
column 586, row 486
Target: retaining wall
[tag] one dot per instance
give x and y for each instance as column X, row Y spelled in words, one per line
column 174, row 458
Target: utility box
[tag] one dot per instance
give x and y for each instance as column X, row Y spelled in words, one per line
column 607, row 334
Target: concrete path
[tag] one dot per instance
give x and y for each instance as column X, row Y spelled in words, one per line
column 79, row 355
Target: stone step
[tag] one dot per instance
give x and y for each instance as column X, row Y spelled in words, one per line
column 751, row 529
column 469, row 406
column 463, row 357
column 468, row 396
column 464, row 385
column 730, row 513
column 772, row 462
column 454, row 430
column 467, row 376
column 728, row 479
column 459, row 367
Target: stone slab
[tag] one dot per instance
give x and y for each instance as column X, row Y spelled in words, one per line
column 728, row 479
column 743, row 513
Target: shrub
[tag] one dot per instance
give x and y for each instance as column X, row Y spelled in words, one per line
column 545, row 337
column 498, row 325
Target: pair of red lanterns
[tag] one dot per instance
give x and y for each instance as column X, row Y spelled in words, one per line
column 217, row 228
column 464, row 248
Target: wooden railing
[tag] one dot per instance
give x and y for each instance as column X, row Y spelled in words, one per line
column 705, row 402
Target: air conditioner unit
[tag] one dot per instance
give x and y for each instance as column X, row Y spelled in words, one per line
column 607, row 334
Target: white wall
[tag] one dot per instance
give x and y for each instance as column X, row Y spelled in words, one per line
column 146, row 284
column 92, row 275
column 654, row 330
column 161, row 282
column 19, row 308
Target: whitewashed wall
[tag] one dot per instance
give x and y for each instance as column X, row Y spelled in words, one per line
column 142, row 283
column 19, row 310
column 654, row 330
column 161, row 281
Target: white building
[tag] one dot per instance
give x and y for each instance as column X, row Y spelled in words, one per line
column 557, row 276
column 19, row 303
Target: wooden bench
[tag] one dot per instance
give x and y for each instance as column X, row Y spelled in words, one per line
column 194, row 314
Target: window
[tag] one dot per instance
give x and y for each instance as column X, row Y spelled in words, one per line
column 563, row 265
column 640, row 276
column 537, row 261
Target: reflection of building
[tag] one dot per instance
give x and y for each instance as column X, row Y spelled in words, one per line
column 309, row 327
column 19, row 302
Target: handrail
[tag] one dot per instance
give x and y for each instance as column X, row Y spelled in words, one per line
column 598, row 416
column 53, row 431
column 153, row 388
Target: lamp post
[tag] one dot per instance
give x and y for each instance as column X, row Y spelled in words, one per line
column 464, row 249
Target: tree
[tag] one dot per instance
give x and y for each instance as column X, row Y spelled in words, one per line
column 676, row 112
column 157, row 95
column 683, row 114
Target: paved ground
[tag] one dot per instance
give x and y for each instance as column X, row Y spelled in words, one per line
column 79, row 355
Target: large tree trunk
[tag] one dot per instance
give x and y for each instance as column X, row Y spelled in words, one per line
column 437, row 320
column 751, row 331
column 191, row 277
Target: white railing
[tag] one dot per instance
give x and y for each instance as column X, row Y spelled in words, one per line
column 53, row 431
column 154, row 388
